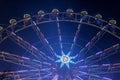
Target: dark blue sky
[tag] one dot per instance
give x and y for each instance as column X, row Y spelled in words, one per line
column 15, row 8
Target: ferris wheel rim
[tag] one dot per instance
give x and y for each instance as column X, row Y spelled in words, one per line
column 63, row 20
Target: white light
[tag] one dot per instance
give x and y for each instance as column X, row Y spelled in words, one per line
column 65, row 59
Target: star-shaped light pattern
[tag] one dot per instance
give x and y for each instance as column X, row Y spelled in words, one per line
column 65, row 59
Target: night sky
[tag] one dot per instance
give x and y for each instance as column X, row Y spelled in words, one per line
column 13, row 8
column 110, row 9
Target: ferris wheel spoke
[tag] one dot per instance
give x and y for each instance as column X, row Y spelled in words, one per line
column 55, row 77
column 18, row 60
column 35, row 76
column 78, row 78
column 28, row 47
column 22, row 61
column 44, row 41
column 24, row 74
column 21, row 75
column 100, row 55
column 18, row 74
column 106, row 69
column 59, row 34
column 90, row 76
column 105, row 53
column 92, row 42
column 75, row 37
column 101, row 69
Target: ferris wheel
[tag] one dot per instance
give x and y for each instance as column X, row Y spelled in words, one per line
column 56, row 49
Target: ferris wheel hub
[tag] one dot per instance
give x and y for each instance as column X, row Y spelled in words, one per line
column 65, row 59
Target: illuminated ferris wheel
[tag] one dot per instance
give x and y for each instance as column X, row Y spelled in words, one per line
column 58, row 50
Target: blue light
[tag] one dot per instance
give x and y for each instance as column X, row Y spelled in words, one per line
column 65, row 59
